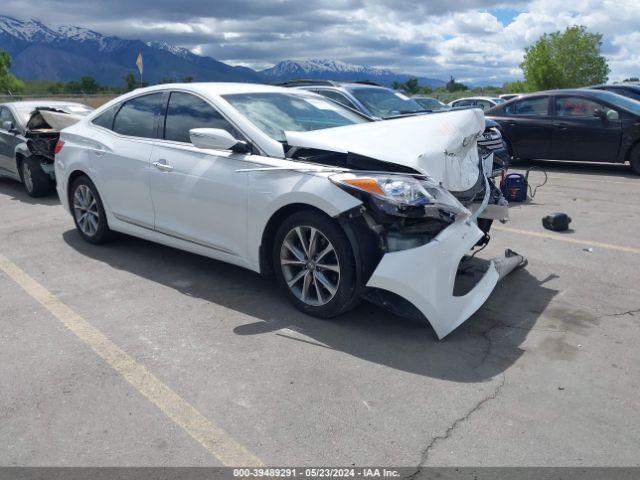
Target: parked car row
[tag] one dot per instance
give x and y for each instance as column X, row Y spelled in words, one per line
column 381, row 103
column 336, row 205
column 581, row 125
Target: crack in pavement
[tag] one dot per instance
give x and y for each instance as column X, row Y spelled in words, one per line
column 628, row 312
column 456, row 423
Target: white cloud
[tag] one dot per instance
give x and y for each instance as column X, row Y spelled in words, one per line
column 432, row 38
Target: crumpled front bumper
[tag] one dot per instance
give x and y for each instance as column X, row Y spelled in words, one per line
column 425, row 276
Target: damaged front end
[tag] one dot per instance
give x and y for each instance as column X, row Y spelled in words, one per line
column 428, row 199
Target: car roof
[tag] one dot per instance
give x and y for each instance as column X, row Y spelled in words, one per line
column 215, row 88
column 617, row 85
column 331, row 84
column 476, row 98
column 42, row 103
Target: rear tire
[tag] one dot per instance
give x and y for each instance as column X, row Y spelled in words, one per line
column 35, row 181
column 88, row 212
column 314, row 265
column 634, row 159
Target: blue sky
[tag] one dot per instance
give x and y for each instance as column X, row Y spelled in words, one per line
column 505, row 15
column 477, row 41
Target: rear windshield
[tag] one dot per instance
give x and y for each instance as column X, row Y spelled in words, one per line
column 275, row 113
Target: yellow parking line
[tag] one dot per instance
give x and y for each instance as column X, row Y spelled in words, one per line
column 562, row 238
column 210, row 436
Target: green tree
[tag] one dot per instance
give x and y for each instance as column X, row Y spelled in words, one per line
column 130, row 81
column 516, row 87
column 88, row 85
column 187, row 79
column 411, row 87
column 566, row 59
column 8, row 83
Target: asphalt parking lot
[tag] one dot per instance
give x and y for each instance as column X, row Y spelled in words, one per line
column 137, row 354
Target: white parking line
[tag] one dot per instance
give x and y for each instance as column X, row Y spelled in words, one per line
column 209, row 435
column 590, row 243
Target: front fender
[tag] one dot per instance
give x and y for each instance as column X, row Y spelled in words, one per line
column 270, row 191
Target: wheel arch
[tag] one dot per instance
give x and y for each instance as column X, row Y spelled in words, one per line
column 271, row 227
column 73, row 176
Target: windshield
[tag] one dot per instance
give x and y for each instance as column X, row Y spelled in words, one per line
column 385, row 103
column 276, row 113
column 498, row 101
column 431, row 104
column 25, row 111
column 625, row 103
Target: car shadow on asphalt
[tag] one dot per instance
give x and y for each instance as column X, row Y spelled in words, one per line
column 483, row 347
column 582, row 168
column 16, row 191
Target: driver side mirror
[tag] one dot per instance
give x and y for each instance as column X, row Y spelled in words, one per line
column 217, row 139
column 612, row 114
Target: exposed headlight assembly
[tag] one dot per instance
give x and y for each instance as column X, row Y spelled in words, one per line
column 401, row 195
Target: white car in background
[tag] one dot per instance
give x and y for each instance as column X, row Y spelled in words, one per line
column 483, row 103
column 288, row 183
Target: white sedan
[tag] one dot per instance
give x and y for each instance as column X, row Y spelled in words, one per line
column 287, row 183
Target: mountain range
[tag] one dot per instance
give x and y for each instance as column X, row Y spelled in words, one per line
column 65, row 53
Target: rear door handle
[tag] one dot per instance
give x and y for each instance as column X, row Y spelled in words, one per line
column 163, row 165
column 560, row 125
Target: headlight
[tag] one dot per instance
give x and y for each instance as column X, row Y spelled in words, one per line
column 402, row 195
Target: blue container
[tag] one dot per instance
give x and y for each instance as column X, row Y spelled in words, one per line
column 514, row 187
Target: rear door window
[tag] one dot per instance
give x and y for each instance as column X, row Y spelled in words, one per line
column 137, row 117
column 186, row 111
column 535, row 107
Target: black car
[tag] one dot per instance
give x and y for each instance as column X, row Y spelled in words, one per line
column 625, row 89
column 582, row 125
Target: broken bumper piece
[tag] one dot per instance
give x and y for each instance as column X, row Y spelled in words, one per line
column 426, row 276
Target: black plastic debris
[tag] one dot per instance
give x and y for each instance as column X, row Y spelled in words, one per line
column 558, row 222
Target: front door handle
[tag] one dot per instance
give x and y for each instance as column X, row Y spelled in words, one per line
column 560, row 125
column 163, row 165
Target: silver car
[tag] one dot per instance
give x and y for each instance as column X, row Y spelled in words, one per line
column 27, row 140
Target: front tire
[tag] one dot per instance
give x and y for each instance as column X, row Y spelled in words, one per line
column 634, row 159
column 314, row 265
column 35, row 181
column 88, row 212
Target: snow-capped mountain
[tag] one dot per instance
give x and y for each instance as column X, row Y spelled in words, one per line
column 66, row 53
column 337, row 70
column 41, row 52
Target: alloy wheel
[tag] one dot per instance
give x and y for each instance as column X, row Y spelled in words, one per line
column 310, row 265
column 85, row 209
column 27, row 179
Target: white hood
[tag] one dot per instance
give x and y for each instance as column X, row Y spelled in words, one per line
column 441, row 145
